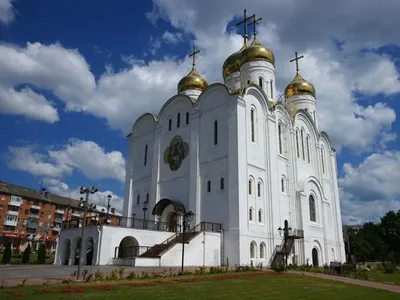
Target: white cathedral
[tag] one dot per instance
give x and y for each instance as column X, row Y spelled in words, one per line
column 233, row 173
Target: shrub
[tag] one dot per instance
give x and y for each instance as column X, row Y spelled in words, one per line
column 98, row 276
column 121, row 272
column 7, row 255
column 41, row 259
column 280, row 268
column 389, row 268
column 26, row 255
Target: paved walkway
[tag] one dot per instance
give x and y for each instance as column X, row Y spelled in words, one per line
column 373, row 284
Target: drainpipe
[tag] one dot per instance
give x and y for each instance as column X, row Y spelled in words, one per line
column 222, row 248
column 204, row 249
column 100, row 231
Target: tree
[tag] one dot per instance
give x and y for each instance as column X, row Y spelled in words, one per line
column 41, row 254
column 26, row 255
column 7, row 255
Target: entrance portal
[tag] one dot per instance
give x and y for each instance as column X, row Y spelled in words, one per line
column 172, row 222
column 315, row 257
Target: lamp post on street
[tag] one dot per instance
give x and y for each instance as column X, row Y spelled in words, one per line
column 144, row 213
column 87, row 191
column 186, row 221
column 285, row 231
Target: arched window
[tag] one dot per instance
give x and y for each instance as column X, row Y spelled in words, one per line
column 215, row 132
column 253, row 250
column 145, row 155
column 297, row 144
column 313, row 212
column 248, row 81
column 187, row 118
column 147, row 197
column 302, row 145
column 209, row 186
column 222, row 183
column 169, row 124
column 251, row 214
column 138, row 199
column 260, row 216
column 272, row 88
column 262, row 251
column 283, row 184
column 260, row 82
column 178, row 120
column 280, row 138
column 250, row 187
column 252, row 125
column 259, row 189
column 308, row 148
column 322, row 160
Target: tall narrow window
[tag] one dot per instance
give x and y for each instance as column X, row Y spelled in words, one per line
column 250, row 187
column 169, row 124
column 145, row 155
column 209, row 186
column 147, row 197
column 297, row 144
column 253, row 138
column 250, row 214
column 260, row 216
column 262, row 251
column 222, row 183
column 283, row 185
column 178, row 120
column 308, row 148
column 280, row 137
column 138, row 199
column 272, row 88
column 187, row 118
column 259, row 189
column 322, row 160
column 215, row 132
column 248, row 81
column 302, row 145
column 260, row 82
column 313, row 212
column 314, row 115
column 252, row 250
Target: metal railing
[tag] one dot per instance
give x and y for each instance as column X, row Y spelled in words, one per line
column 130, row 251
column 147, row 224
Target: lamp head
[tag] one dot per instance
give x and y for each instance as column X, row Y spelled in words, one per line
column 109, row 196
column 280, row 230
column 94, row 190
column 189, row 216
column 82, row 190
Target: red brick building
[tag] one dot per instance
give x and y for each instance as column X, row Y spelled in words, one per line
column 31, row 215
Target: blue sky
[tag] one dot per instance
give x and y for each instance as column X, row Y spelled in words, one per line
column 74, row 76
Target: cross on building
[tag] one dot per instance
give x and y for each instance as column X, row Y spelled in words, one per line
column 193, row 55
column 297, row 58
column 254, row 23
column 244, row 21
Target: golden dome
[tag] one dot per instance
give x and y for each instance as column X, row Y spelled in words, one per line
column 192, row 81
column 257, row 51
column 232, row 63
column 299, row 86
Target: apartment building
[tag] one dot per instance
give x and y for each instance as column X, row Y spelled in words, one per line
column 28, row 215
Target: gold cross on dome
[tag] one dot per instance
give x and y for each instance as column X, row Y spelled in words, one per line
column 254, row 23
column 297, row 58
column 193, row 54
column 244, row 21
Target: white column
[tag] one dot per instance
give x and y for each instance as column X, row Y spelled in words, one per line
column 194, row 172
column 155, row 172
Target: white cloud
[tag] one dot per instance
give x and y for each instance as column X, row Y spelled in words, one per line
column 172, row 38
column 6, row 11
column 371, row 188
column 58, row 187
column 86, row 156
column 120, row 97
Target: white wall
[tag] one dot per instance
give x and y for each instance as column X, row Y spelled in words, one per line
column 203, row 250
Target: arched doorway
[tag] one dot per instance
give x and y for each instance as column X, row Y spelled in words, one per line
column 89, row 251
column 172, row 222
column 128, row 247
column 67, row 248
column 315, row 261
column 77, row 251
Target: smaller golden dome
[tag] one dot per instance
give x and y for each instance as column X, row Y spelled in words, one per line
column 232, row 63
column 257, row 51
column 299, row 86
column 192, row 81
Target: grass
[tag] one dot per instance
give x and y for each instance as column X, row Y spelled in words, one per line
column 272, row 287
column 17, row 259
column 380, row 276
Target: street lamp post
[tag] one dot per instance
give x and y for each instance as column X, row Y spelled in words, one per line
column 187, row 220
column 285, row 231
column 108, row 206
column 87, row 191
column 144, row 213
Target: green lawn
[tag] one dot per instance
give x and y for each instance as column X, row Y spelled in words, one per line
column 272, row 287
column 380, row 276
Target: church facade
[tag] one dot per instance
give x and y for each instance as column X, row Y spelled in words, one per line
column 238, row 156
